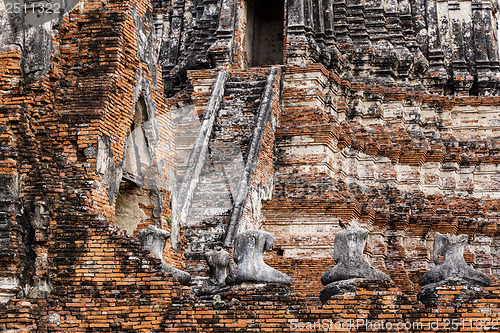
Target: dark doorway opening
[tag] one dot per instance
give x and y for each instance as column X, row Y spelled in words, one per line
column 265, row 25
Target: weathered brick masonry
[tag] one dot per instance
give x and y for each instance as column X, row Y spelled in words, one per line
column 381, row 112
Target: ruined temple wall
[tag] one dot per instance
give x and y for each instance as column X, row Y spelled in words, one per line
column 12, row 248
column 446, row 46
column 129, row 76
column 393, row 163
column 66, row 143
column 428, row 126
column 362, row 153
column 371, row 307
column 137, row 80
column 104, row 282
column 299, row 214
column 71, row 131
column 186, row 31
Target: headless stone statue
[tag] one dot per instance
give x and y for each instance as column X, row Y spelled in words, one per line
column 248, row 250
column 451, row 270
column 453, row 266
column 154, row 240
column 219, row 262
column 351, row 265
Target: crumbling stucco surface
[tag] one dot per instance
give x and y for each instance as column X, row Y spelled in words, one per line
column 129, row 208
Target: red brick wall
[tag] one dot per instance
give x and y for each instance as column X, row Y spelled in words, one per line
column 104, row 281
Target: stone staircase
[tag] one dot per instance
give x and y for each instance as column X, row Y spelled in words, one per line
column 212, row 200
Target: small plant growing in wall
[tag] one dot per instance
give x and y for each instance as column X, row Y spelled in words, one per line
column 169, row 221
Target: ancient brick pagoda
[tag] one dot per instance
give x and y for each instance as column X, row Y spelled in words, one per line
column 200, row 165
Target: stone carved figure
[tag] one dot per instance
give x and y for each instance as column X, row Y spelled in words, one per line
column 248, row 250
column 452, row 268
column 154, row 240
column 219, row 262
column 351, row 265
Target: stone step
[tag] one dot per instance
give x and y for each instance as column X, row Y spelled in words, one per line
column 244, row 97
column 250, row 81
column 260, row 77
column 244, row 92
column 212, row 191
column 203, row 212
